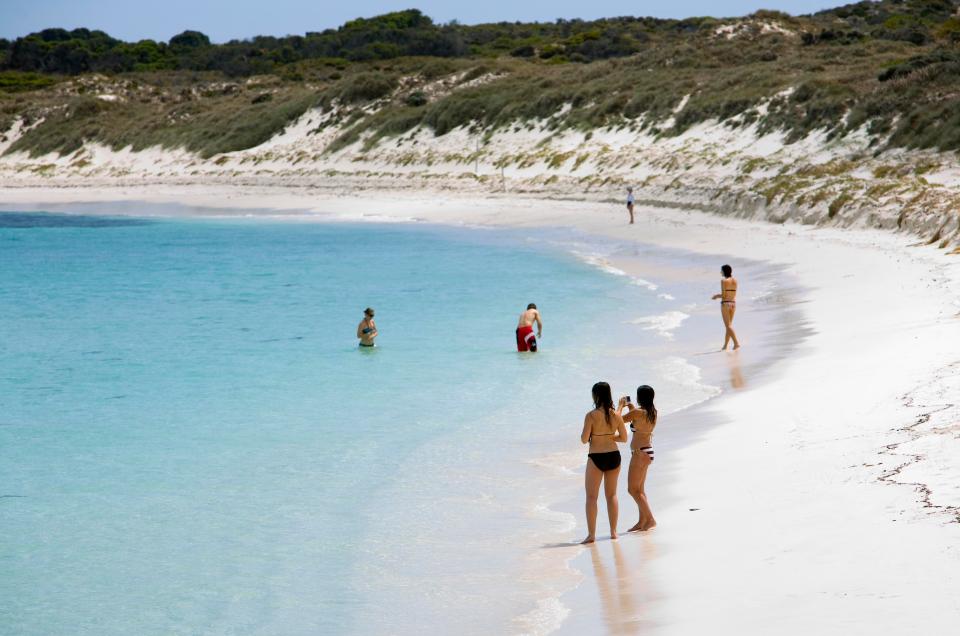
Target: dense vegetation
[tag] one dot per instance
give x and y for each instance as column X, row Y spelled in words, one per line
column 410, row 33
column 893, row 66
column 400, row 34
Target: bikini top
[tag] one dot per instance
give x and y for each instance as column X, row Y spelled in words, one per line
column 646, row 427
column 592, row 434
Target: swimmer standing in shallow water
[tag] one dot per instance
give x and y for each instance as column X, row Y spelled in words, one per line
column 526, row 341
column 367, row 329
column 728, row 306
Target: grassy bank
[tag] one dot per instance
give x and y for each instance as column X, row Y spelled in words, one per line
column 892, row 68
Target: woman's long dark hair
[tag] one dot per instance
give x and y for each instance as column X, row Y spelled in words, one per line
column 603, row 399
column 645, row 401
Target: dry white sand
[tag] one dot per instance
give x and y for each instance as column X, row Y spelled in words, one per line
column 827, row 496
column 800, row 525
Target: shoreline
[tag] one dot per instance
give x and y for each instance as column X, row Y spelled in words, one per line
column 825, row 422
column 680, row 426
column 670, row 604
column 683, row 342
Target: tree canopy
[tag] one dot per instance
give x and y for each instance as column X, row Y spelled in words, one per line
column 411, row 33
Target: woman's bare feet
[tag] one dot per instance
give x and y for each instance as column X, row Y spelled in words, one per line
column 613, row 535
column 637, row 526
column 650, row 525
column 589, row 539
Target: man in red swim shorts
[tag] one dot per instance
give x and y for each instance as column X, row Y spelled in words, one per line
column 526, row 341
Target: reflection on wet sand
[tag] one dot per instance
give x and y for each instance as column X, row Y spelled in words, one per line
column 624, row 589
column 736, row 375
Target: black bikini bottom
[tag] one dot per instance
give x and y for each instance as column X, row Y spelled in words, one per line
column 606, row 461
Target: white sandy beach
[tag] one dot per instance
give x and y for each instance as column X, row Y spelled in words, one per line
column 827, row 494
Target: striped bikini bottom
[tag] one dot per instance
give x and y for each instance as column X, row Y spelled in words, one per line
column 646, row 449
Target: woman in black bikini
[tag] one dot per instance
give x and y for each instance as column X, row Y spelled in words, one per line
column 603, row 429
column 728, row 305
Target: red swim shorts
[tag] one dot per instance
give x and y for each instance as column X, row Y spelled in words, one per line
column 526, row 341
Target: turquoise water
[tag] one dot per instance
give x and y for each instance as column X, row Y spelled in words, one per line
column 191, row 442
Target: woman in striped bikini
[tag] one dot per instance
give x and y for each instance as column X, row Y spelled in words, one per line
column 728, row 305
column 642, row 421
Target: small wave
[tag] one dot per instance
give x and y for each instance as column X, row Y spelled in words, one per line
column 377, row 218
column 545, row 618
column 567, row 463
column 645, row 283
column 565, row 522
column 599, row 262
column 666, row 296
column 679, row 371
column 663, row 324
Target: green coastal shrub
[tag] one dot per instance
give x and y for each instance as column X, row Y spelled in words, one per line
column 365, row 87
column 416, row 98
column 17, row 82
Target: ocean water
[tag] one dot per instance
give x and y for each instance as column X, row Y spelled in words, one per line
column 192, row 443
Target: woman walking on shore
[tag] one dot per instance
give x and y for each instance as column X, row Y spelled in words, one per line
column 642, row 421
column 603, row 429
column 630, row 202
column 728, row 305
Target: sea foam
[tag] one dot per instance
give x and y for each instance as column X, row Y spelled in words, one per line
column 664, row 324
